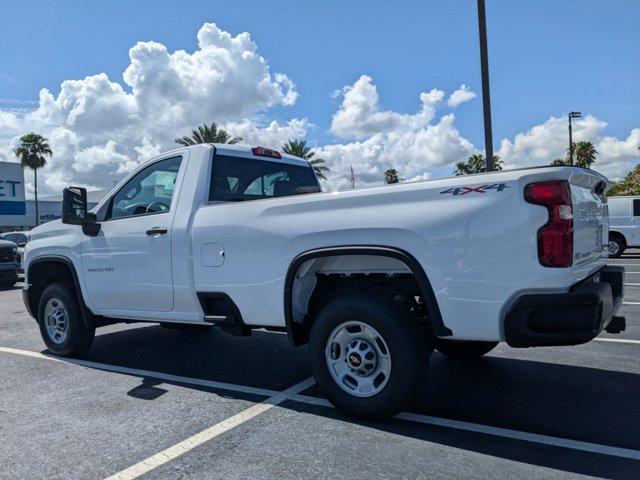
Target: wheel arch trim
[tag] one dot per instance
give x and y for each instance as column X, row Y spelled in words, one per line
column 439, row 328
column 87, row 315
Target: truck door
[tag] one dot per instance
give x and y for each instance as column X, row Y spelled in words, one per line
column 635, row 223
column 128, row 264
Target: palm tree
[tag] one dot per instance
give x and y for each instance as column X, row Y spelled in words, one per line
column 559, row 162
column 476, row 164
column 298, row 148
column 32, row 151
column 208, row 134
column 391, row 176
column 585, row 154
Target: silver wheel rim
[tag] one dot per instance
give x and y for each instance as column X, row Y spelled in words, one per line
column 56, row 320
column 358, row 359
column 613, row 247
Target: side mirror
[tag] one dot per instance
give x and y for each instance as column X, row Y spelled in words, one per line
column 74, row 210
column 74, row 205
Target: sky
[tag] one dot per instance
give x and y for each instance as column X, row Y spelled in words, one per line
column 372, row 85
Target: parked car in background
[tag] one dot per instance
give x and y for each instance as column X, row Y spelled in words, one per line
column 20, row 239
column 9, row 263
column 624, row 224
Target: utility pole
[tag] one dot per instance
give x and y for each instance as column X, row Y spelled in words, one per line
column 486, row 98
column 572, row 115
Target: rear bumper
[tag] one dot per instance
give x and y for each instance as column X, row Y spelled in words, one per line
column 569, row 318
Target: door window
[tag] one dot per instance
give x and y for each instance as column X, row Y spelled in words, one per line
column 636, row 208
column 148, row 192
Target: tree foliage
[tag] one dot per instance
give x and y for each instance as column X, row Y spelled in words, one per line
column 208, row 134
column 32, row 152
column 476, row 164
column 299, row 148
column 391, row 176
column 629, row 185
column 584, row 155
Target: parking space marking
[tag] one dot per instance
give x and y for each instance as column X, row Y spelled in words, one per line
column 632, row 284
column 617, row 340
column 631, row 303
column 497, row 431
column 146, row 373
column 293, row 394
column 194, row 441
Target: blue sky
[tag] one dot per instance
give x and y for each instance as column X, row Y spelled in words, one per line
column 546, row 57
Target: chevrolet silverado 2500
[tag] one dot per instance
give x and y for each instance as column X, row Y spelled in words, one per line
column 373, row 280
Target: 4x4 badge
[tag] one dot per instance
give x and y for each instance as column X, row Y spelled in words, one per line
column 482, row 189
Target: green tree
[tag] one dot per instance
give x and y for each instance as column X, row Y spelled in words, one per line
column 298, row 148
column 629, row 185
column 391, row 176
column 208, row 134
column 584, row 154
column 476, row 164
column 559, row 162
column 32, row 151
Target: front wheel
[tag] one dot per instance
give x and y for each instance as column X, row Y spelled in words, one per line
column 61, row 324
column 369, row 358
column 464, row 350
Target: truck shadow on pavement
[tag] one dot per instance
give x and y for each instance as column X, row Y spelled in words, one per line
column 573, row 402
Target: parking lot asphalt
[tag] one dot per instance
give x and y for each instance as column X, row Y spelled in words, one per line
column 150, row 402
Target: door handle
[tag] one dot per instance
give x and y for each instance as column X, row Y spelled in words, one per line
column 156, row 231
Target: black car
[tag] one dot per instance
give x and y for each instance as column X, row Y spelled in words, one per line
column 9, row 263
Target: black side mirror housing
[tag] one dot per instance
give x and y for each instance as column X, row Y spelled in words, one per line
column 74, row 205
column 74, row 210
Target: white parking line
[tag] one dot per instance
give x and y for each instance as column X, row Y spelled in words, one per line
column 632, row 284
column 146, row 373
column 192, row 442
column 497, row 431
column 617, row 340
column 631, row 303
column 293, row 394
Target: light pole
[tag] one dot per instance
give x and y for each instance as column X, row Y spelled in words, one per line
column 572, row 115
column 486, row 100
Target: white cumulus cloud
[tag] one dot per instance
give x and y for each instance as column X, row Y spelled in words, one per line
column 461, row 95
column 99, row 130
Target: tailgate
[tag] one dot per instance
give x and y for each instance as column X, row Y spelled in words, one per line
column 590, row 218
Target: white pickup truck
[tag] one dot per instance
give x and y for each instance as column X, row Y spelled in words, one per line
column 373, row 280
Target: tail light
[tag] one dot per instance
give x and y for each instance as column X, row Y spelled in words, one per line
column 555, row 238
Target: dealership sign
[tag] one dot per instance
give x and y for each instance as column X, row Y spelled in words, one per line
column 13, row 208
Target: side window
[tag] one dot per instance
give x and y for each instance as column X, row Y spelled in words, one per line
column 149, row 191
column 636, row 208
column 236, row 179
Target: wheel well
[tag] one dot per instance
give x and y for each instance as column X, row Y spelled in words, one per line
column 316, row 278
column 42, row 274
column 618, row 235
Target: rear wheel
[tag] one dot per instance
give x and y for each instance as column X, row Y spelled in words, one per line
column 369, row 358
column 464, row 349
column 61, row 324
column 616, row 246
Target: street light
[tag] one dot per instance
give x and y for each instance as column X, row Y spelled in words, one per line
column 572, row 115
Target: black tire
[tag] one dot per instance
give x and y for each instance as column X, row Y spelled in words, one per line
column 78, row 336
column 408, row 348
column 463, row 350
column 617, row 246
